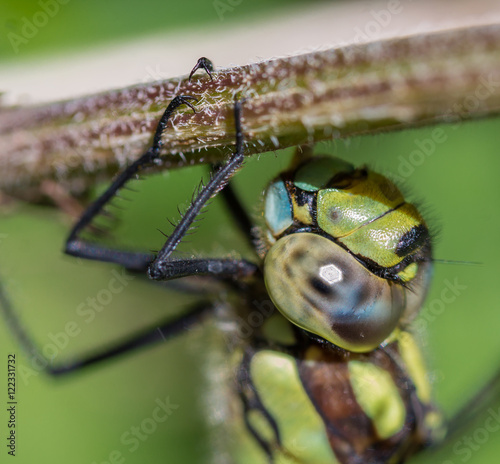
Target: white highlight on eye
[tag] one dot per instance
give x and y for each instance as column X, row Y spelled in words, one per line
column 331, row 274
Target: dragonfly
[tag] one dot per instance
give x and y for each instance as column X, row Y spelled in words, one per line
column 313, row 381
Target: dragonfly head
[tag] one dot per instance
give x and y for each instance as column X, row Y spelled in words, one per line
column 349, row 258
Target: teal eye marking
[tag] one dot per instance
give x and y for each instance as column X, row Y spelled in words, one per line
column 278, row 209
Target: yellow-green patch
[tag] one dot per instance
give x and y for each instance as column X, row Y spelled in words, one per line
column 378, row 396
column 412, row 357
column 379, row 239
column 409, row 272
column 301, row 213
column 302, row 430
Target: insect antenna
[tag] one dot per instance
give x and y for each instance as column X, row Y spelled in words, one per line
column 452, row 261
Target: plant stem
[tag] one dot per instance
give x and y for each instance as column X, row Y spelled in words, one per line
column 358, row 89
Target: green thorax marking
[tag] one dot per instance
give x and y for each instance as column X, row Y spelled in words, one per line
column 358, row 405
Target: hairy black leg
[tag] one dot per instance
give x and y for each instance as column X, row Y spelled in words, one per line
column 203, row 63
column 223, row 268
column 76, row 246
column 137, row 261
column 161, row 267
column 158, row 333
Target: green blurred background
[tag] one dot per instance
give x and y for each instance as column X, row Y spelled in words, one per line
column 82, row 419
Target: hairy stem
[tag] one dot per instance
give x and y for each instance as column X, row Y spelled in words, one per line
column 358, row 89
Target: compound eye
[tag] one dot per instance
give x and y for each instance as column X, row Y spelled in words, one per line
column 319, row 286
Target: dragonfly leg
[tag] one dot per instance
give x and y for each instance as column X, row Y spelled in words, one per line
column 203, row 63
column 222, row 268
column 158, row 333
column 161, row 332
column 163, row 268
column 76, row 246
column 138, row 261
